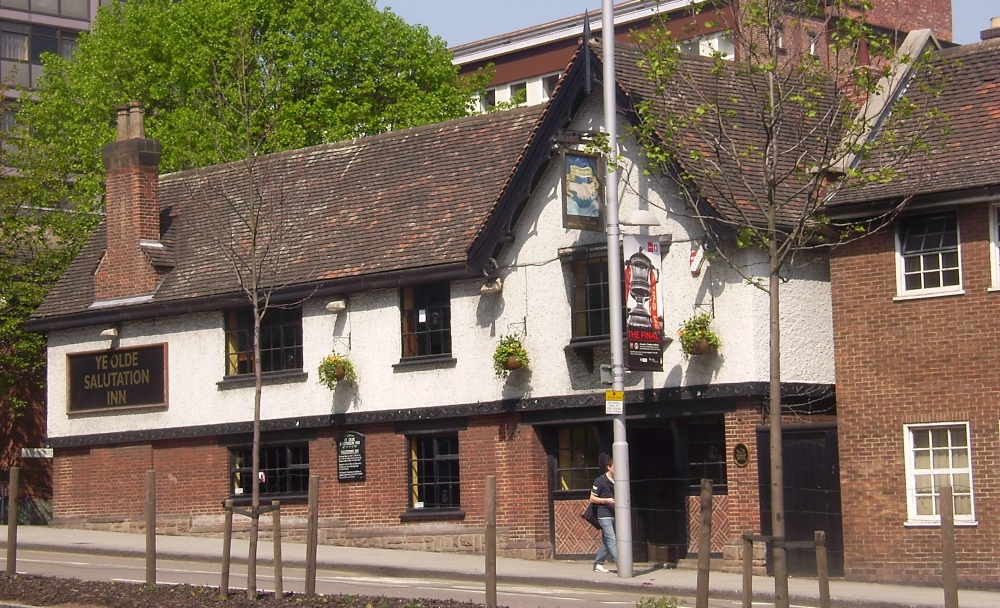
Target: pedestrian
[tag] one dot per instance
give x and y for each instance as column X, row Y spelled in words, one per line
column 602, row 495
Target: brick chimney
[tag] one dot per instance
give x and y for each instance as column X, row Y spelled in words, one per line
column 993, row 32
column 132, row 210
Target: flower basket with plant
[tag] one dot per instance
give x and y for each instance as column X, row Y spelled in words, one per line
column 509, row 355
column 335, row 368
column 697, row 338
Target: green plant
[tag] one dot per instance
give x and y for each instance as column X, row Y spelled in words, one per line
column 657, row 602
column 696, row 335
column 335, row 368
column 509, row 354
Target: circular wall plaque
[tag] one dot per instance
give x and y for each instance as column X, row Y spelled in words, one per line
column 741, row 455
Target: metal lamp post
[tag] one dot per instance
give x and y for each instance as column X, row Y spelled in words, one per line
column 619, row 448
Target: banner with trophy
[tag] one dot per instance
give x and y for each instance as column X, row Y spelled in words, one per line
column 643, row 323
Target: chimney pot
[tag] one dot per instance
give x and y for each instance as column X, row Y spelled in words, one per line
column 122, row 122
column 136, row 126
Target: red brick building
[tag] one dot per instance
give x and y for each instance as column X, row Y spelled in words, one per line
column 916, row 341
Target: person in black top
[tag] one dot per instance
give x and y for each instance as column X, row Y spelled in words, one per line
column 603, row 496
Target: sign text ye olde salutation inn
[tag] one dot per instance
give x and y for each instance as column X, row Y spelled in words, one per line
column 121, row 377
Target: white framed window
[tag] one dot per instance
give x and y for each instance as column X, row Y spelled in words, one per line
column 928, row 260
column 995, row 247
column 938, row 455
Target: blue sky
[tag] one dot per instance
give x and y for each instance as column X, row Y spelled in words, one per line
column 461, row 21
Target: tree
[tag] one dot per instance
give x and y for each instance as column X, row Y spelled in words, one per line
column 346, row 70
column 760, row 141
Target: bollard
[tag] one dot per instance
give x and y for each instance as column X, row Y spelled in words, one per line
column 151, row 527
column 949, row 570
column 13, row 489
column 747, row 569
column 704, row 544
column 312, row 535
column 227, row 548
column 276, row 534
column 491, row 541
column 822, row 569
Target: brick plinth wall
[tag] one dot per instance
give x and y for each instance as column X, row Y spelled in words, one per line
column 744, row 486
column 914, row 361
column 104, row 488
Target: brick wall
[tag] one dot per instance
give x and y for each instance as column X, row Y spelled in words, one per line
column 919, row 360
column 744, row 485
column 104, row 488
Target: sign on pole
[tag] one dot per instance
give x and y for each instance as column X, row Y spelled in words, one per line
column 614, row 402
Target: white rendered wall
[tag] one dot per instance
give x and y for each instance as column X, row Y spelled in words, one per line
column 535, row 301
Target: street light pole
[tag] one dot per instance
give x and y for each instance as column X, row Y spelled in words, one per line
column 619, row 449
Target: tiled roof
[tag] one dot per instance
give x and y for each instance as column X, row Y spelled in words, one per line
column 402, row 200
column 740, row 196
column 963, row 84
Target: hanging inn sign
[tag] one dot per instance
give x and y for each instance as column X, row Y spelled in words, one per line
column 643, row 323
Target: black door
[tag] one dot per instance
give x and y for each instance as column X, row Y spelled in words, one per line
column 812, row 494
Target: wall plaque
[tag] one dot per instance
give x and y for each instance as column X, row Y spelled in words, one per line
column 117, row 378
column 741, row 455
column 351, row 457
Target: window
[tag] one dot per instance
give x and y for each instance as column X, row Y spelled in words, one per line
column 995, row 246
column 280, row 340
column 549, row 84
column 578, row 457
column 284, row 470
column 77, row 9
column 928, row 254
column 14, row 42
column 707, row 455
column 488, row 100
column 591, row 302
column 426, row 320
column 938, row 455
column 519, row 93
column 434, row 480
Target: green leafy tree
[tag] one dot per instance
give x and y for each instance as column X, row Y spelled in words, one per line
column 345, row 69
column 761, row 135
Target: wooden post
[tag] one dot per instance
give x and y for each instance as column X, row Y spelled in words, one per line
column 312, row 535
column 491, row 541
column 704, row 544
column 747, row 569
column 822, row 569
column 13, row 490
column 151, row 527
column 949, row 569
column 227, row 548
column 276, row 534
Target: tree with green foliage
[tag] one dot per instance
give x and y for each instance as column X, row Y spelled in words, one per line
column 345, row 69
column 760, row 136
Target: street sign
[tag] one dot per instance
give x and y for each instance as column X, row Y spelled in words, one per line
column 614, row 402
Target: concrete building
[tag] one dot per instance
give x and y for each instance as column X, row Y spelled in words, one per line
column 528, row 62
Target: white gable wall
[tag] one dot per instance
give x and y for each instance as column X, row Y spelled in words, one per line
column 535, row 300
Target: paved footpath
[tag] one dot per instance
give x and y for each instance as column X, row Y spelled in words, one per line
column 648, row 578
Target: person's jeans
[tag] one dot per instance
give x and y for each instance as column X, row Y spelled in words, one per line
column 609, row 543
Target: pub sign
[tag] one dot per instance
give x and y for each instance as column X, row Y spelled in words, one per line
column 118, row 378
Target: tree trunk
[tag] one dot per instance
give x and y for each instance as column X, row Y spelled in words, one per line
column 780, row 554
column 255, row 502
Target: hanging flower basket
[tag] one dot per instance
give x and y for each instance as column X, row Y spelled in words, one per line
column 335, row 368
column 509, row 355
column 697, row 338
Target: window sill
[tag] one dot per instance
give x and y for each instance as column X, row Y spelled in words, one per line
column 931, row 294
column 432, row 515
column 425, row 361
column 244, row 380
column 963, row 523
